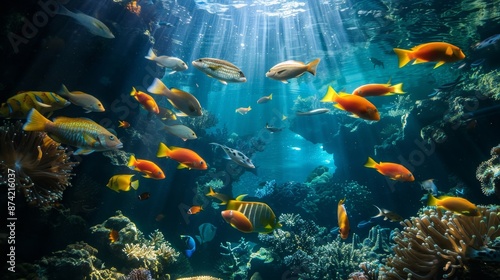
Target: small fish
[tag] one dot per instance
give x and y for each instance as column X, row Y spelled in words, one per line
column 82, row 99
column 181, row 100
column 19, row 105
column 144, row 196
column 181, row 131
column 83, row 133
column 291, row 69
column 477, row 63
column 195, row 210
column 167, row 114
column 173, row 63
column 343, row 220
column 376, row 62
column 147, row 102
column 236, row 156
column 122, row 182
column 379, row 89
column 123, row 124
column 439, row 52
column 357, row 105
column 394, row 171
column 429, row 186
column 490, row 41
column 186, row 157
column 364, row 224
column 387, row 214
column 312, row 112
column 273, row 129
column 114, row 236
column 222, row 197
column 243, row 110
column 149, row 168
column 265, row 99
column 455, row 204
column 190, row 245
column 219, row 69
column 92, row 24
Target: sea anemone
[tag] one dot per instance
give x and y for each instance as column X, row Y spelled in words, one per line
column 41, row 167
column 488, row 172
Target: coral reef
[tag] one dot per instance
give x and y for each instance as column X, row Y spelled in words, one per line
column 203, row 277
column 203, row 122
column 486, row 83
column 488, row 173
column 41, row 167
column 265, row 190
column 439, row 245
column 237, row 256
column 139, row 274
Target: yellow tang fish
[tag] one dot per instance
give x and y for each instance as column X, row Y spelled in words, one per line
column 19, row 105
column 122, row 182
column 83, row 133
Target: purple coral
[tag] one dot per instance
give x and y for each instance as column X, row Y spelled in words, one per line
column 488, row 172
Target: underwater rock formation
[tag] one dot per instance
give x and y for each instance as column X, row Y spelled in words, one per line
column 40, row 166
column 488, row 173
column 439, row 245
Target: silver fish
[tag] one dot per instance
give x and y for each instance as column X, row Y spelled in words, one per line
column 222, row 70
column 291, row 69
column 173, row 63
column 236, row 156
column 388, row 215
column 490, row 41
column 181, row 131
column 92, row 24
column 429, row 186
column 82, row 99
column 183, row 101
column 312, row 112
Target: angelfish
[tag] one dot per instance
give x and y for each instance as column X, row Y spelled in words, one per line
column 236, row 156
column 92, row 24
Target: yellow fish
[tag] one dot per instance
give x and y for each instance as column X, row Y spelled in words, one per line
column 19, row 105
column 122, row 182
column 455, row 204
column 82, row 99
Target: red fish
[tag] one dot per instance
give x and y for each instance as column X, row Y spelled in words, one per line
column 392, row 170
column 357, row 105
column 149, row 168
column 195, row 210
column 123, row 124
column 378, row 89
column 435, row 51
column 343, row 220
column 186, row 157
column 147, row 102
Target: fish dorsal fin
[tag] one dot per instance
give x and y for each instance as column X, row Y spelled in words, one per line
column 240, row 197
column 342, row 94
column 449, row 51
column 338, row 106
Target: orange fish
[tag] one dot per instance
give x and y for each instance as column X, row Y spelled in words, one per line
column 147, row 102
column 237, row 220
column 455, row 204
column 436, row 51
column 123, row 124
column 243, row 110
column 379, row 89
column 186, row 157
column 343, row 220
column 392, row 170
column 114, row 236
column 149, row 168
column 194, row 210
column 359, row 106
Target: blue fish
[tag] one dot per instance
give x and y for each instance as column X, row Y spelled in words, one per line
column 190, row 245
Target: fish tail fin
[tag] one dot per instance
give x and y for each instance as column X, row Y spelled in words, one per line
column 163, row 151
column 211, row 192
column 380, row 213
column 249, row 108
column 135, row 184
column 36, row 121
column 398, row 88
column 404, row 56
column 151, row 55
column 133, row 92
column 342, row 201
column 370, row 163
column 311, row 66
column 157, row 87
column 64, row 91
column 132, row 162
column 270, row 96
column 432, row 200
column 330, row 96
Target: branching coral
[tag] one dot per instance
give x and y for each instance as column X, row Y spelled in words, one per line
column 237, row 256
column 42, row 168
column 488, row 172
column 437, row 245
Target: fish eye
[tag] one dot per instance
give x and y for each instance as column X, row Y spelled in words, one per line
column 199, row 60
column 201, row 162
column 100, row 105
column 112, row 137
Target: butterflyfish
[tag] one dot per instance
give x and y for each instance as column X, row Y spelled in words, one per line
column 83, row 133
column 122, row 182
column 439, row 52
column 391, row 170
column 455, row 204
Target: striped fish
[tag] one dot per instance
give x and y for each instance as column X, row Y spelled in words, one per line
column 222, row 70
column 250, row 216
column 83, row 133
column 19, row 105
